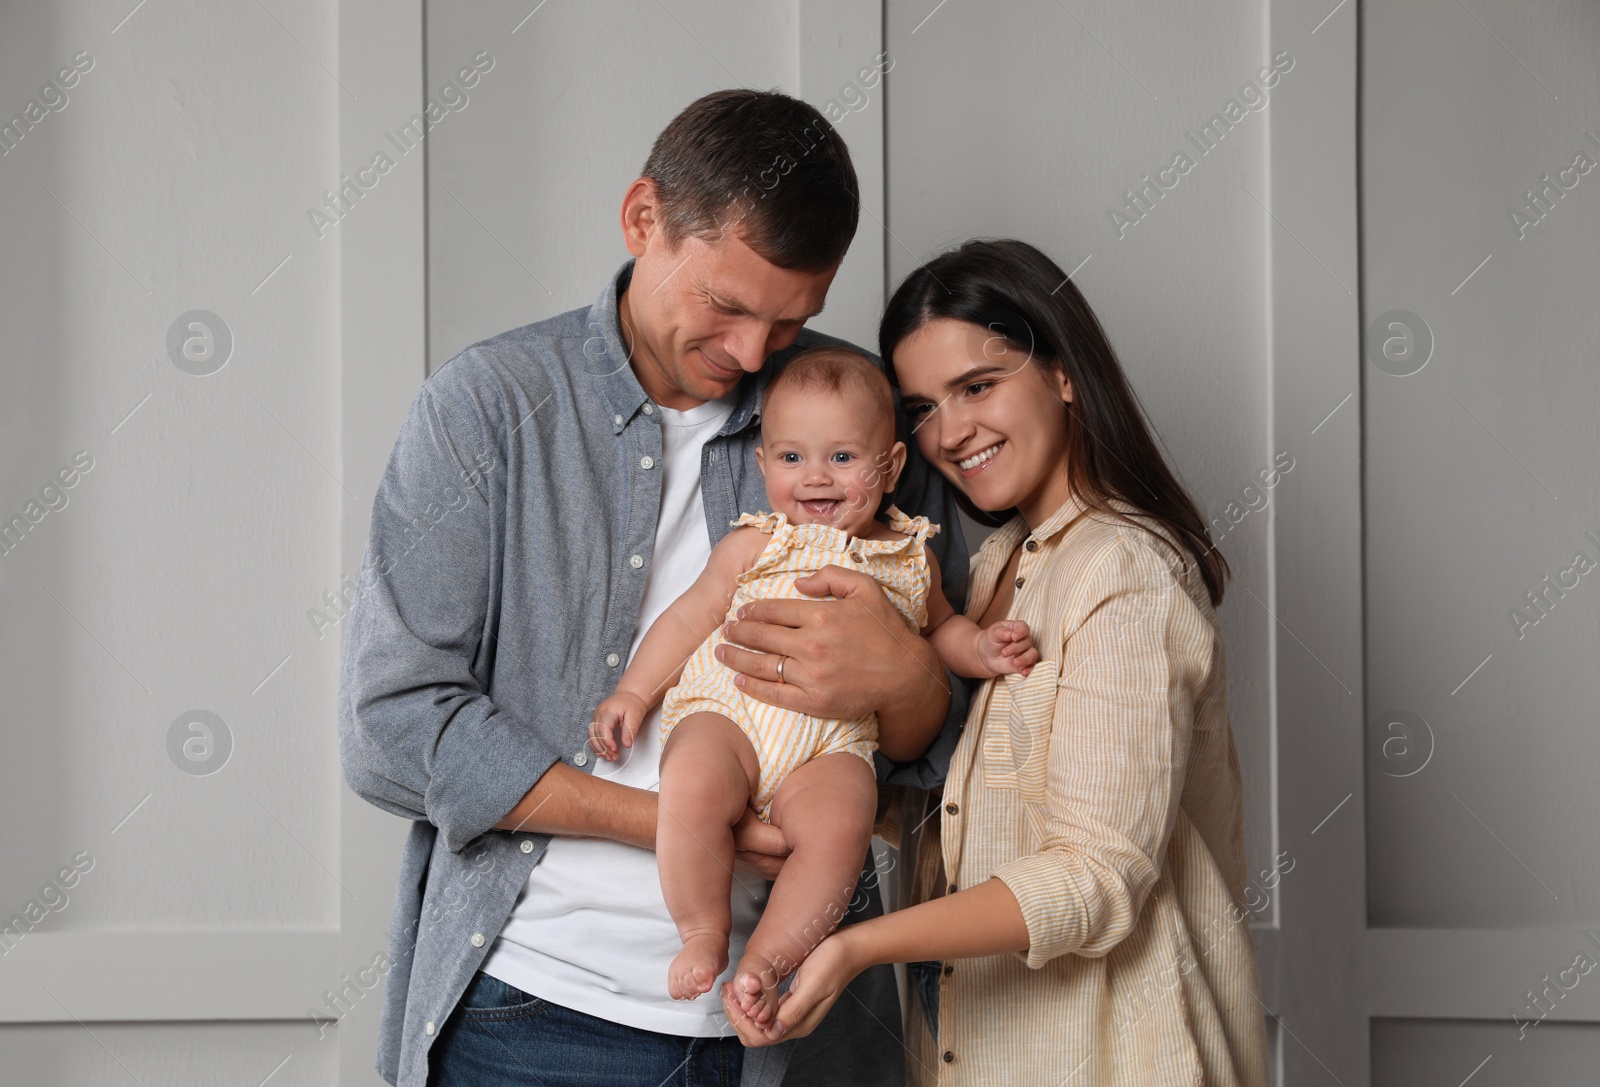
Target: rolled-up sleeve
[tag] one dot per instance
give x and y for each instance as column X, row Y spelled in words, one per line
column 1131, row 672
column 418, row 736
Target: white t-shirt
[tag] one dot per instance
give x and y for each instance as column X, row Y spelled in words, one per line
column 590, row 930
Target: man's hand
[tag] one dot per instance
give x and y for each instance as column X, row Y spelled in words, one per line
column 617, row 718
column 1006, row 647
column 566, row 801
column 841, row 658
column 758, row 848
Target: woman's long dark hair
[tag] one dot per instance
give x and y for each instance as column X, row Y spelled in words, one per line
column 1014, row 290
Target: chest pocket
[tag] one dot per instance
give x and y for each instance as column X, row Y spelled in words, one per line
column 1016, row 737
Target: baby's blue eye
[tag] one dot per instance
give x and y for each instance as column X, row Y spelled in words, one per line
column 789, row 458
column 843, row 458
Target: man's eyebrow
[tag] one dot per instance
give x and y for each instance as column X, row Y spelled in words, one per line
column 729, row 304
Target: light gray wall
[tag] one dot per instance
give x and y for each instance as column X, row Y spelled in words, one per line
column 1480, row 481
column 174, row 177
column 1481, row 467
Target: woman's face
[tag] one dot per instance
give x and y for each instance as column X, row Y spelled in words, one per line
column 987, row 416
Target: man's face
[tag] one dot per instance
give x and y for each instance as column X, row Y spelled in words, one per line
column 699, row 317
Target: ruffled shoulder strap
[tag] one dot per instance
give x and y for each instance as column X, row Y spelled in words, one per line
column 919, row 528
column 769, row 523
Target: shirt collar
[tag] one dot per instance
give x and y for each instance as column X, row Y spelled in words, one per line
column 1007, row 536
column 606, row 358
column 605, row 355
column 1060, row 519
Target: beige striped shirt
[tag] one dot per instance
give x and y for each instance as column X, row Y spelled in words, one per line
column 1104, row 790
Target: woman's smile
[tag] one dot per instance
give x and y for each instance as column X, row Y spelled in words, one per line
column 971, row 466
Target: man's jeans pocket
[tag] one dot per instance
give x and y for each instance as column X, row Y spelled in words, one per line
column 488, row 998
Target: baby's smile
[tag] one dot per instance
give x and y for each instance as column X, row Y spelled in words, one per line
column 823, row 509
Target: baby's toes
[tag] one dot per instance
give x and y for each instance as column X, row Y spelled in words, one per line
column 759, row 1002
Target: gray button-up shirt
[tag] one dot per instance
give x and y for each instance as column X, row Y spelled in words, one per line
column 497, row 604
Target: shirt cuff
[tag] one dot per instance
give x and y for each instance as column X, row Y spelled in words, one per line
column 470, row 791
column 1064, row 908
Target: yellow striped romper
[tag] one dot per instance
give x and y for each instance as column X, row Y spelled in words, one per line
column 786, row 739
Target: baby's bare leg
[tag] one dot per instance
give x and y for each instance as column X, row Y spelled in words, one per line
column 825, row 810
column 708, row 771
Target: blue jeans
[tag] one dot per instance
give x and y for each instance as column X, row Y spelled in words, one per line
column 499, row 1036
column 924, row 978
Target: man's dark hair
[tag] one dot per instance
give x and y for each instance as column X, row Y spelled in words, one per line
column 765, row 166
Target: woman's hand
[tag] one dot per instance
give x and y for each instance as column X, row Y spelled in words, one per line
column 817, row 984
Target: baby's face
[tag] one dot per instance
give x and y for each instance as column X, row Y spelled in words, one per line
column 828, row 457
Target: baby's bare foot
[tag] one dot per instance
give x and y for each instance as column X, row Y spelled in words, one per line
column 697, row 966
column 755, row 986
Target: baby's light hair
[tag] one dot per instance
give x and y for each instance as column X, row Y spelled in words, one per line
column 839, row 370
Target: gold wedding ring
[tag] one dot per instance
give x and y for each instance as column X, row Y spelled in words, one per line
column 781, row 660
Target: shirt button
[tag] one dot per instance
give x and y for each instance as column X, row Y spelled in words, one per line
column 580, row 759
column 612, row 660
column 428, row 1029
column 949, row 1057
column 649, row 408
column 527, row 846
column 948, row 970
column 952, row 888
column 617, row 419
column 636, row 561
column 951, row 808
column 1032, row 545
column 477, row 939
column 647, row 462
column 1019, row 583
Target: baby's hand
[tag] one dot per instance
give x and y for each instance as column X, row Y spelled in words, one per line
column 620, row 714
column 1006, row 646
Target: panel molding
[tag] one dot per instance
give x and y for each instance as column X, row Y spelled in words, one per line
column 383, row 331
column 836, row 40
column 149, row 975
column 1478, row 973
column 1268, row 945
column 1315, row 967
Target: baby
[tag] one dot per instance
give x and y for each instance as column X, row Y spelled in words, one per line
column 828, row 454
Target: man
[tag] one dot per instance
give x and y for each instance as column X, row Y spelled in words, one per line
column 552, row 490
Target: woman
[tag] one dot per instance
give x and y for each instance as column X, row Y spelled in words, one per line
column 1088, row 926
